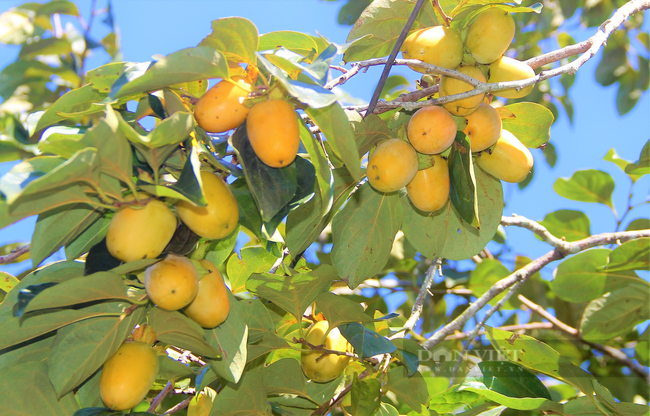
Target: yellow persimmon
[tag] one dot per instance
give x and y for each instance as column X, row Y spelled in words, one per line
column 211, row 305
column 431, row 130
column 172, row 283
column 509, row 160
column 272, row 128
column 392, row 165
column 222, row 108
column 328, row 367
column 429, row 189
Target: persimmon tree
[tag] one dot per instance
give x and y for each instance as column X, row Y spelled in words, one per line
column 188, row 203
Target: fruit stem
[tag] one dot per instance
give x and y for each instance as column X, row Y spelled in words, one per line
column 447, row 19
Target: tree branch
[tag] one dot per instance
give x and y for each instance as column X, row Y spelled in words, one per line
column 161, row 396
column 525, row 272
column 325, row 407
column 616, row 354
column 520, row 327
column 14, row 254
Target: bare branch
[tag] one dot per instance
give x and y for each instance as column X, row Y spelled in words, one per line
column 616, row 354
column 537, row 228
column 525, row 272
column 14, row 254
column 182, row 405
column 520, row 327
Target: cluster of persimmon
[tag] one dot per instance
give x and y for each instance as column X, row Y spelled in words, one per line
column 432, row 129
column 271, row 125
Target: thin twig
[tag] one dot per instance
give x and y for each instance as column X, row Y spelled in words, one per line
column 525, row 272
column 438, row 7
column 14, row 254
column 616, row 354
column 180, row 406
column 325, row 407
column 398, row 44
column 161, row 396
column 326, row 351
column 537, row 228
column 279, row 261
column 520, row 327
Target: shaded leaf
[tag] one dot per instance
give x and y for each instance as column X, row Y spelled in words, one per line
column 285, row 377
column 410, row 390
column 568, row 224
column 366, row 342
column 177, row 329
column 366, row 396
column 462, row 189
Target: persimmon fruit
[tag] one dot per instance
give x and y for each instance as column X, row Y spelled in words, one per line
column 392, row 165
column 172, row 283
column 325, row 368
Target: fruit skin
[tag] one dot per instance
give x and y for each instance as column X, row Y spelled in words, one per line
column 221, row 108
column 431, row 130
column 272, row 128
column 483, row 127
column 392, row 165
column 509, row 161
column 128, row 375
column 221, row 214
column 429, row 189
column 140, row 232
column 330, row 366
column 490, row 34
column 436, row 45
column 172, row 283
column 211, row 305
column 451, row 86
column 509, row 69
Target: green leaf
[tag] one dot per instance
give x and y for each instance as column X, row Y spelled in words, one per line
column 297, row 42
column 61, row 141
column 445, row 234
column 306, row 223
column 103, row 77
column 366, row 342
column 632, row 255
column 230, row 340
column 642, row 165
column 323, row 172
column 462, row 191
column 189, row 183
column 638, row 224
column 80, row 100
column 234, row 36
column 217, row 251
column 334, row 124
column 246, row 398
column 369, row 131
column 249, row 216
column 293, row 293
column 81, row 348
column 587, row 186
column 258, row 319
column 366, row 396
column 270, row 342
column 410, row 390
column 88, row 238
column 95, row 287
column 7, row 281
column 26, row 390
column 623, row 164
column 363, row 233
column 386, row 409
column 382, row 22
column 177, row 329
column 408, row 352
column 616, row 313
column 272, row 188
column 581, row 406
column 583, row 277
column 309, row 93
column 531, row 123
column 171, row 369
column 285, row 377
column 526, row 403
column 186, row 65
column 642, row 349
column 253, row 260
column 505, row 378
column 59, row 227
column 535, row 355
column 45, row 46
column 340, row 310
column 568, row 224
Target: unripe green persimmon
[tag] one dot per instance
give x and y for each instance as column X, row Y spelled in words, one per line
column 483, row 127
column 437, row 45
column 490, row 34
column 137, row 233
column 324, row 368
column 128, row 375
column 509, row 160
column 429, row 189
column 272, row 128
column 211, row 305
column 451, row 86
column 221, row 108
column 172, row 283
column 221, row 214
column 431, row 130
column 508, row 69
column 392, row 165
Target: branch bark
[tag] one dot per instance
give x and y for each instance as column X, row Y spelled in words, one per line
column 15, row 253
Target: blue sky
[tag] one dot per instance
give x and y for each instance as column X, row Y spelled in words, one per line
column 151, row 27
